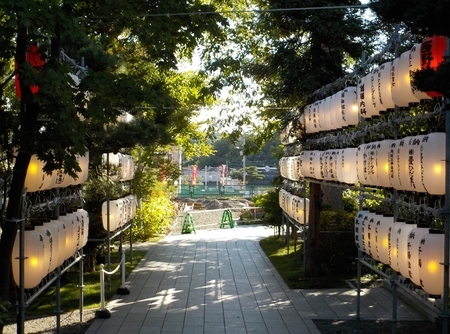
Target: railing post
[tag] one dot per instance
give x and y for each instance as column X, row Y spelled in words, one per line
column 123, row 290
column 102, row 313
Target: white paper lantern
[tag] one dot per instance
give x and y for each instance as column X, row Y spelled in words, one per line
column 307, row 118
column 403, row 164
column 318, row 165
column 431, row 255
column 302, row 216
column 346, row 167
column 364, row 91
column 432, row 159
column 307, row 166
column 71, row 235
column 365, row 231
column 403, row 239
column 282, row 199
column 62, row 234
column 414, row 65
column 382, row 163
column 405, row 85
column 394, row 166
column 348, row 104
column 61, row 179
column 36, row 179
column 396, row 83
column 359, row 218
column 369, row 234
column 83, row 162
column 325, row 110
column 371, row 163
column 85, row 226
column 54, row 229
column 114, row 215
column 394, row 234
column 78, row 227
column 360, row 167
column 362, row 163
column 48, row 248
column 414, row 238
column 33, row 262
column 384, row 93
column 382, row 226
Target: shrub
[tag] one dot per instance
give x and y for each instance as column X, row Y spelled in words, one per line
column 155, row 214
column 269, row 202
column 337, row 244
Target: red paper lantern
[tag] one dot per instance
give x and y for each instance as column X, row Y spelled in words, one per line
column 432, row 51
column 36, row 60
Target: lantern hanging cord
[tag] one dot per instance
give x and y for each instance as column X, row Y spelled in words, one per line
column 14, row 220
column 244, row 11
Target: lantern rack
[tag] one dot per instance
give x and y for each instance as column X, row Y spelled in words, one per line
column 384, row 128
column 35, row 203
column 386, row 125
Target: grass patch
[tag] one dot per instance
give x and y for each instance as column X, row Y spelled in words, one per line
column 290, row 266
column 70, row 292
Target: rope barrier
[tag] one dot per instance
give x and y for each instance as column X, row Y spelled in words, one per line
column 103, row 312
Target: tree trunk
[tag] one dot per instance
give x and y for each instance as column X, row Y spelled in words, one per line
column 14, row 210
column 313, row 267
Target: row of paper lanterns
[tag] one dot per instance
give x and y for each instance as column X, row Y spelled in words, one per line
column 125, row 162
column 385, row 87
column 413, row 163
column 47, row 246
column 294, row 206
column 37, row 180
column 121, row 211
column 415, row 252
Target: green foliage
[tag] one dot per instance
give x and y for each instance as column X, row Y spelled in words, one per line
column 155, row 214
column 350, row 199
column 425, row 18
column 269, row 202
column 337, row 242
column 251, row 174
column 4, row 312
column 290, row 266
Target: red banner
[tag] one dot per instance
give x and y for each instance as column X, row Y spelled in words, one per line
column 223, row 174
column 194, row 170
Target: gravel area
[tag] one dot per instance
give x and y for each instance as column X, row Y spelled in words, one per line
column 70, row 324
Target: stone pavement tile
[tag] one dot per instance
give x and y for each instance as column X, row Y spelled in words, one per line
column 153, row 322
column 256, row 327
column 214, row 327
column 172, row 326
column 214, row 317
column 193, row 330
column 278, row 330
column 149, row 329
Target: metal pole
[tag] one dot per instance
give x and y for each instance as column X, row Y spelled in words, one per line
column 21, row 315
column 102, row 287
column 108, row 226
column 446, row 211
column 243, row 164
column 304, row 226
column 359, row 254
column 394, row 277
column 81, row 286
column 58, row 301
